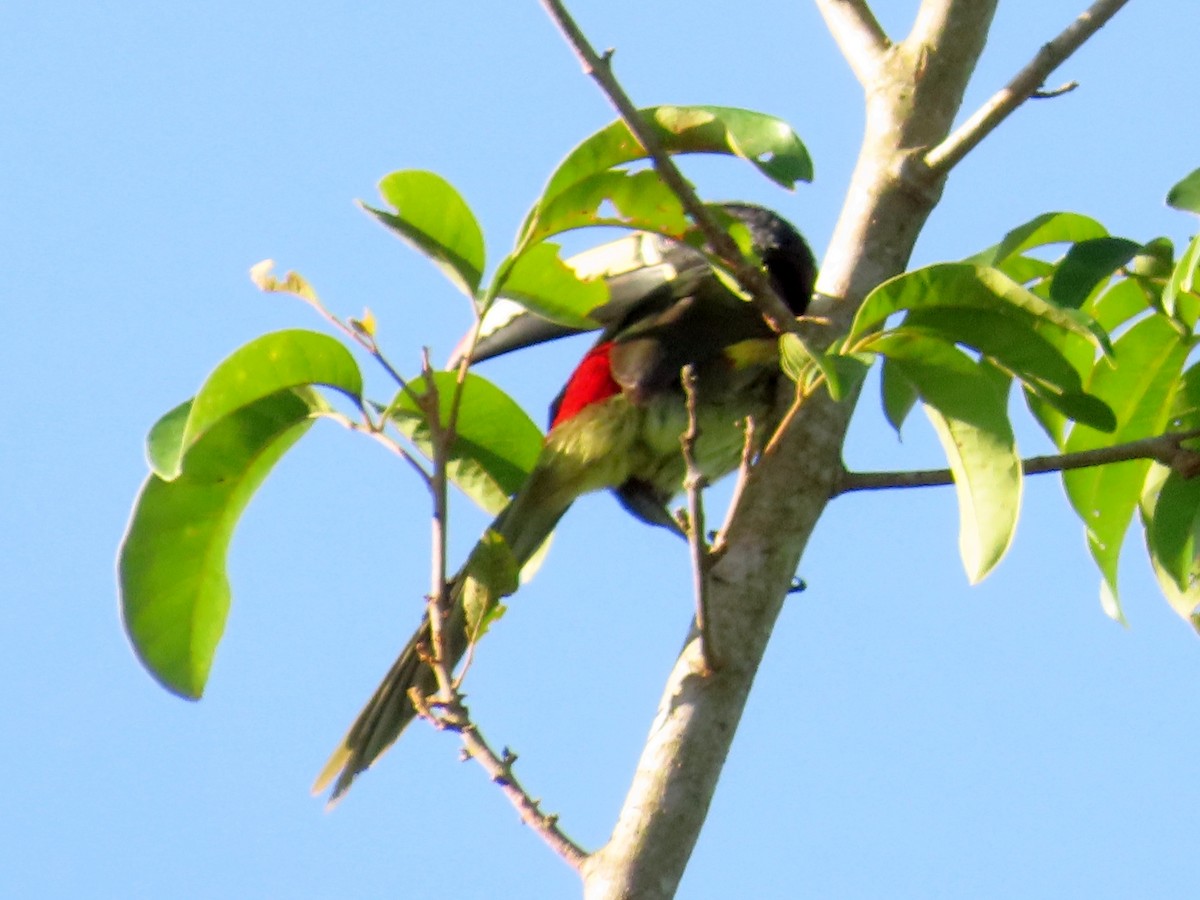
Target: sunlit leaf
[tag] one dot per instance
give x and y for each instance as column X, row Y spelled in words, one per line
column 1139, row 389
column 265, row 366
column 967, row 286
column 1185, row 195
column 1183, row 277
column 497, row 443
column 171, row 565
column 434, row 218
column 971, row 421
column 541, row 281
column 1184, row 600
column 611, row 197
column 1048, row 228
column 767, row 142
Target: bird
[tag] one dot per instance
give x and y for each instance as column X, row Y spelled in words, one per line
column 617, row 422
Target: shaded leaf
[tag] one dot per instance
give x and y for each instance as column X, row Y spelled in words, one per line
column 1185, row 601
column 491, row 573
column 1173, row 530
column 434, row 218
column 1086, row 265
column 899, row 395
column 174, row 591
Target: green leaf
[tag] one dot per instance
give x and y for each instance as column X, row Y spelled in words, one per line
column 967, row 286
column 434, row 218
column 1138, row 385
column 1183, row 277
column 1174, row 528
column 491, row 573
column 164, row 444
column 542, row 282
column 1185, row 601
column 1185, row 195
column 767, row 142
column 496, row 444
column 971, row 421
column 1086, row 265
column 1019, row 349
column 1048, row 228
column 639, row 200
column 171, row 565
column 899, row 395
column 266, row 366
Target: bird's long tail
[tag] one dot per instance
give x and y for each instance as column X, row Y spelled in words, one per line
column 524, row 524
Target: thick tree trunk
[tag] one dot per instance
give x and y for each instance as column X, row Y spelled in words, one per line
column 913, row 89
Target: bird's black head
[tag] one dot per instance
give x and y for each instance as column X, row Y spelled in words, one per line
column 784, row 252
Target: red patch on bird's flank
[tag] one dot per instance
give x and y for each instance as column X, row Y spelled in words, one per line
column 590, row 383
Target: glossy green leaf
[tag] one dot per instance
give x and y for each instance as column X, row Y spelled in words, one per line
column 1184, row 600
column 1174, row 530
column 541, row 281
column 1185, row 195
column 171, row 565
column 971, row 421
column 1011, row 343
column 164, row 444
column 434, row 218
column 612, row 197
column 1088, row 264
column 497, row 443
column 1048, row 228
column 266, row 366
column 1183, row 277
column 967, row 286
column 767, row 142
column 1139, row 386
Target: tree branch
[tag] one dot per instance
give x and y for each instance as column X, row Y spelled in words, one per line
column 748, row 275
column 858, row 34
column 942, row 158
column 1167, row 449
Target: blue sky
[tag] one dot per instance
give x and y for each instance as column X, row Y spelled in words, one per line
column 909, row 736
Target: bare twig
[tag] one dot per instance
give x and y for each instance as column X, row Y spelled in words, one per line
column 942, row 158
column 1167, row 449
column 1064, row 88
column 859, row 35
column 451, row 714
column 748, row 275
column 694, row 483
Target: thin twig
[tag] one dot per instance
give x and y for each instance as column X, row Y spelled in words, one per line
column 500, row 769
column 748, row 275
column 859, row 35
column 371, row 430
column 694, row 483
column 1054, row 92
column 1167, row 449
column 439, row 594
column 942, row 158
